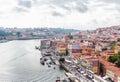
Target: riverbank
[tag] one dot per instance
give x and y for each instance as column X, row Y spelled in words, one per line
column 3, row 41
column 56, row 60
column 65, row 60
column 7, row 40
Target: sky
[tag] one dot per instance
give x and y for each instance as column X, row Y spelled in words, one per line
column 75, row 14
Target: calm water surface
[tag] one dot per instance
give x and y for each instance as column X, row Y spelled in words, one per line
column 19, row 62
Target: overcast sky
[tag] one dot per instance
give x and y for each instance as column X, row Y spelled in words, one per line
column 78, row 14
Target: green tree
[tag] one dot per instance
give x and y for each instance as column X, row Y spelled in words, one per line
column 115, row 59
column 62, row 60
column 18, row 34
column 118, row 63
column 112, row 59
column 31, row 34
column 2, row 33
column 119, row 53
column 112, row 45
column 118, row 39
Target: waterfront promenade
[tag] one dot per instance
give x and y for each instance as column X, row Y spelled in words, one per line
column 70, row 66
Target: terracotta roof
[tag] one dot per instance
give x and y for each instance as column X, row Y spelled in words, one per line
column 117, row 72
column 76, row 54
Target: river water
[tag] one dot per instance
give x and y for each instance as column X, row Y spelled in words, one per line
column 20, row 62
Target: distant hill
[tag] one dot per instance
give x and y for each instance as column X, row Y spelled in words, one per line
column 63, row 31
column 3, row 33
column 45, row 32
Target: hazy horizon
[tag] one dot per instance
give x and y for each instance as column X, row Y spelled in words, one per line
column 38, row 27
column 69, row 14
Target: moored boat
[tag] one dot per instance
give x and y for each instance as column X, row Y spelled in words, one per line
column 36, row 47
column 42, row 61
column 58, row 79
column 48, row 64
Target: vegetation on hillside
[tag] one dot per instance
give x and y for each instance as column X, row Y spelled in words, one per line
column 3, row 33
column 118, row 39
column 115, row 59
column 112, row 45
column 62, row 30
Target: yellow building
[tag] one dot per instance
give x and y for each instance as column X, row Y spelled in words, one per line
column 95, row 69
column 62, row 50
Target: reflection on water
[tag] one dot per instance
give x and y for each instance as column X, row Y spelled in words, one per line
column 19, row 62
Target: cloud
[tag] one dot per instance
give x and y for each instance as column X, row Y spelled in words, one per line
column 56, row 14
column 22, row 6
column 118, row 8
column 68, row 13
column 25, row 3
column 82, row 8
column 70, row 5
column 20, row 9
column 67, row 5
column 111, row 1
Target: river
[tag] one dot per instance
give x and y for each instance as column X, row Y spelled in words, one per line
column 20, row 62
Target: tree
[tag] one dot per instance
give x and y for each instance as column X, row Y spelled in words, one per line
column 31, row 34
column 119, row 53
column 110, row 59
column 18, row 34
column 118, row 39
column 2, row 33
column 112, row 45
column 113, row 59
column 118, row 63
column 62, row 60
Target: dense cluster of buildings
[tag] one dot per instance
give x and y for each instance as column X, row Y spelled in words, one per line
column 92, row 49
